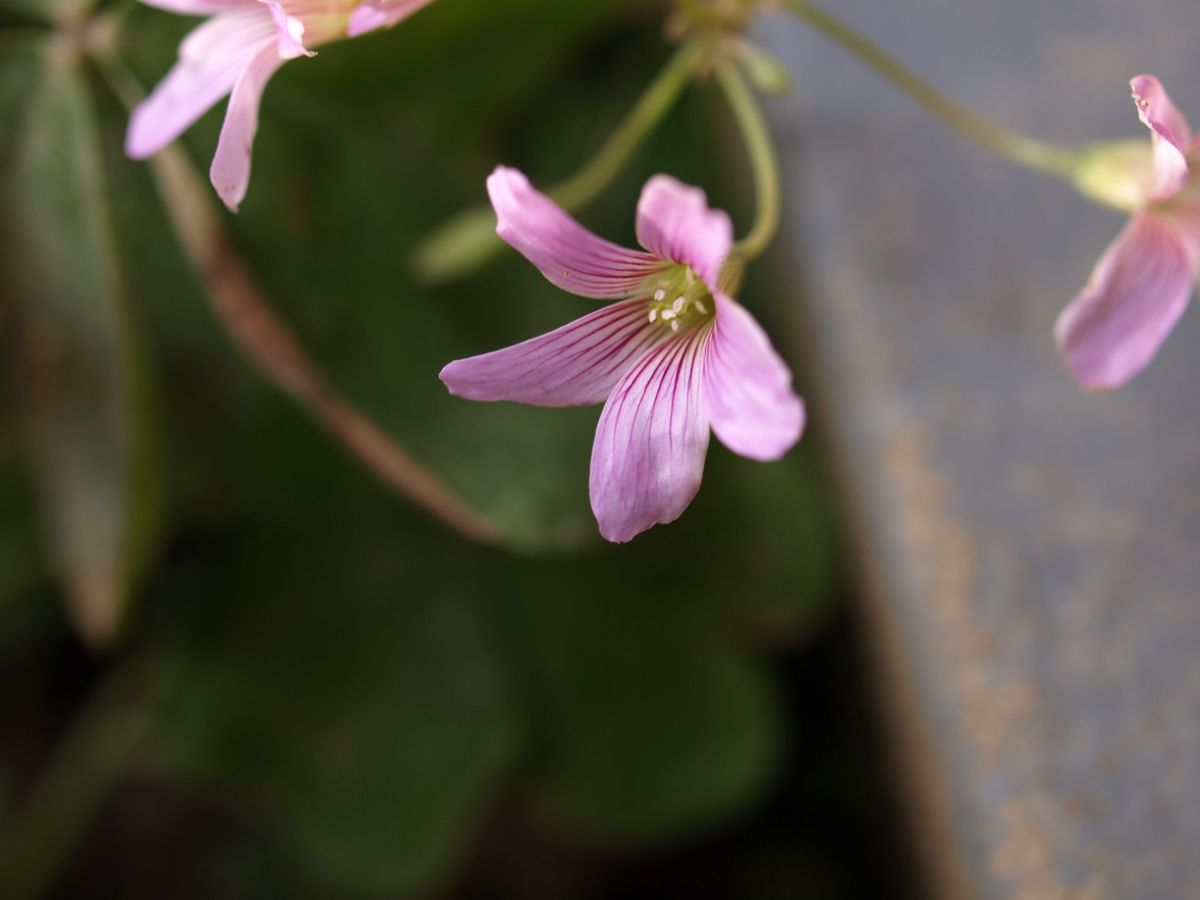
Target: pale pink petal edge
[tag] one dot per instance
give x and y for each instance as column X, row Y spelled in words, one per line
column 201, row 7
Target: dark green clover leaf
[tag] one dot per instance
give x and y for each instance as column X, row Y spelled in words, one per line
column 83, row 375
column 351, row 704
column 654, row 722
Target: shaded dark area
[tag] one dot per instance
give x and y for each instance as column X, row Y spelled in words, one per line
column 828, row 826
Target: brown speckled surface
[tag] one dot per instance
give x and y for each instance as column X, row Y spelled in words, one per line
column 1032, row 553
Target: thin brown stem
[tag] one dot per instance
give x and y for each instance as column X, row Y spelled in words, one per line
column 268, row 342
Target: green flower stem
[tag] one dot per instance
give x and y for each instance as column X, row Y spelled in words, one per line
column 468, row 241
column 581, row 188
column 763, row 162
column 89, row 762
column 1024, row 151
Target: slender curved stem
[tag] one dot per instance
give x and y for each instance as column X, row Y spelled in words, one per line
column 1018, row 148
column 763, row 162
column 267, row 341
column 469, row 240
column 582, row 187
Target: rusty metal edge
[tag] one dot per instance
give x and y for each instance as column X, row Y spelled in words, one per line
column 915, row 758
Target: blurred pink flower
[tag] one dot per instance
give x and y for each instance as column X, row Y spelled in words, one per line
column 671, row 358
column 235, row 52
column 1140, row 286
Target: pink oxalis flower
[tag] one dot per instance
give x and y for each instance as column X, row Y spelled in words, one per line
column 1140, row 286
column 235, row 52
column 671, row 358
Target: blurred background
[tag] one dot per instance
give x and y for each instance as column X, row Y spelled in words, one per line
column 315, row 689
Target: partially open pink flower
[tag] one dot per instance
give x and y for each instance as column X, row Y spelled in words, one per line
column 672, row 358
column 235, row 52
column 1140, row 286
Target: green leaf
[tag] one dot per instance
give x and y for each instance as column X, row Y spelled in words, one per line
column 86, row 385
column 655, row 723
column 786, row 538
column 356, row 707
column 21, row 55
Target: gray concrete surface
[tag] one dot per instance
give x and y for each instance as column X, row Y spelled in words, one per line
column 1032, row 552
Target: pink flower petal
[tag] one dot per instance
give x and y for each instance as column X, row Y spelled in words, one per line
column 289, row 31
column 1171, row 134
column 674, row 222
column 574, row 365
column 211, row 59
column 648, row 457
column 372, row 14
column 201, row 7
column 568, row 254
column 1136, row 294
column 748, row 388
column 230, row 170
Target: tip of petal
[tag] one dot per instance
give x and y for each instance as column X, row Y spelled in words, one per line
column 621, row 535
column 289, row 32
column 772, row 443
column 504, row 184
column 446, row 377
column 1171, row 135
column 1137, row 292
column 622, row 530
column 231, row 195
column 1140, row 85
column 1153, row 105
column 675, row 222
column 507, row 190
column 142, row 140
column 1083, row 369
column 461, row 380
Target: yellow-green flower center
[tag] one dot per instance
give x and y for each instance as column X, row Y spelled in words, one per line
column 678, row 300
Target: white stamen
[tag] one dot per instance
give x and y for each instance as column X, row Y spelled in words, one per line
column 653, row 313
column 660, row 295
column 677, row 305
column 674, row 324
column 668, row 314
column 700, row 306
column 691, row 278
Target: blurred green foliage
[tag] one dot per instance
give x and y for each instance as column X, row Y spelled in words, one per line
column 350, row 678
column 88, row 397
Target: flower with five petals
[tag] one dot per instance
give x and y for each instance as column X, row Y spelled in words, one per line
column 671, row 359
